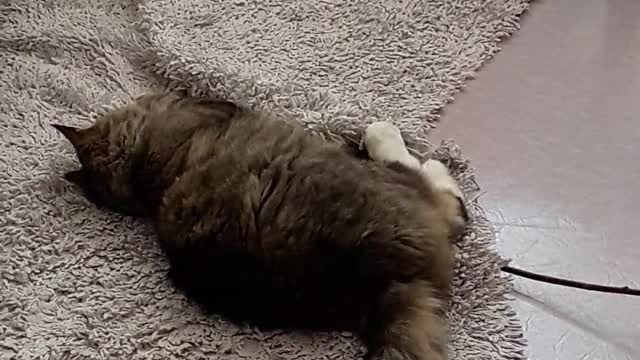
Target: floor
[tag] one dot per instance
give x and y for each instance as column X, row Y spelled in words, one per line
column 552, row 125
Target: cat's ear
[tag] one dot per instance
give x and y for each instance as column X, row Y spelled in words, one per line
column 76, row 177
column 72, row 134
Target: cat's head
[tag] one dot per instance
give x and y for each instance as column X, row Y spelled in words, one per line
column 105, row 152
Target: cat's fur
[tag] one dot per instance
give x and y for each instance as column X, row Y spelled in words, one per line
column 264, row 222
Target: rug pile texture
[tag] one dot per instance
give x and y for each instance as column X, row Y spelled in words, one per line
column 80, row 283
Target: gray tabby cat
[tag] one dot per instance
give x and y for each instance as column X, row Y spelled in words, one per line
column 264, row 222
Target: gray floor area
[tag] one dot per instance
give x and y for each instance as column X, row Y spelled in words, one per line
column 552, row 125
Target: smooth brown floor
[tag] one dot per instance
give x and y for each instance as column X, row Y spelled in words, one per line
column 552, row 126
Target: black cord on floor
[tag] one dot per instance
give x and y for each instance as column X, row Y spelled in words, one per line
column 624, row 290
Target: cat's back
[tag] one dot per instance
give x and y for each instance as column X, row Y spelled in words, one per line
column 268, row 189
column 273, row 210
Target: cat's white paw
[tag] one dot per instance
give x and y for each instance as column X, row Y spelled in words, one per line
column 440, row 177
column 384, row 143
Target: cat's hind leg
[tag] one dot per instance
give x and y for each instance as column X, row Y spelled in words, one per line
column 409, row 321
column 440, row 178
column 384, row 143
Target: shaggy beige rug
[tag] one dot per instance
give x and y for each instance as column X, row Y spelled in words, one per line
column 79, row 283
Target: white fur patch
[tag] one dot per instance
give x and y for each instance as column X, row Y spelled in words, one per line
column 440, row 178
column 384, row 143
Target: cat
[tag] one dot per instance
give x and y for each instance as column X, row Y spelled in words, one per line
column 265, row 222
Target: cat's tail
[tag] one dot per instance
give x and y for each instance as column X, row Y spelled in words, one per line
column 408, row 324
